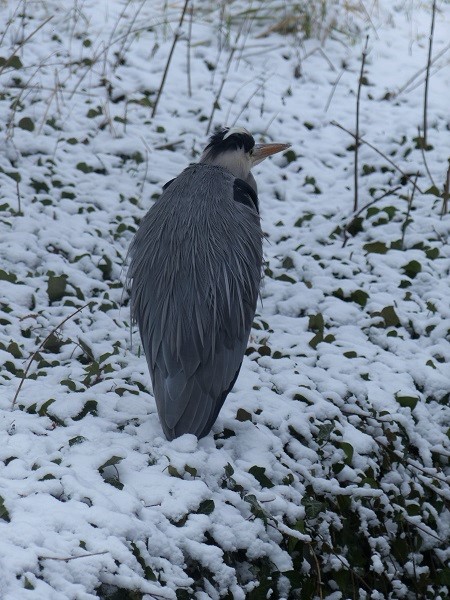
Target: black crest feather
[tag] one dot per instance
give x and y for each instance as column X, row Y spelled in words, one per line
column 238, row 139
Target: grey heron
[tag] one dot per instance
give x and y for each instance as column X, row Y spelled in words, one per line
column 194, row 276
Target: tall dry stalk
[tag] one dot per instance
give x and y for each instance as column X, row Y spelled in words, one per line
column 358, row 101
column 427, row 77
column 176, row 37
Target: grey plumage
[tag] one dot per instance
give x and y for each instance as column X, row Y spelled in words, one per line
column 195, row 270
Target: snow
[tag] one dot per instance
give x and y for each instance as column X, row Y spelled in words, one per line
column 92, row 497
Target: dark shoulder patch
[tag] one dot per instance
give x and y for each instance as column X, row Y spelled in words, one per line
column 166, row 185
column 245, row 194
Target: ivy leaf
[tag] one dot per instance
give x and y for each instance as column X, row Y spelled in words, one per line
column 376, row 247
column 89, row 408
column 407, row 401
column 205, row 507
column 4, row 514
column 312, row 507
column 260, row 476
column 56, row 286
column 114, row 460
column 13, row 61
column 26, row 123
column 348, row 451
column 412, row 268
column 390, row 316
column 243, row 415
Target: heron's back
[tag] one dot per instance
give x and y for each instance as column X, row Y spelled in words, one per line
column 195, row 270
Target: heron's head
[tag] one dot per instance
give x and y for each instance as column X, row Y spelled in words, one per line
column 234, row 149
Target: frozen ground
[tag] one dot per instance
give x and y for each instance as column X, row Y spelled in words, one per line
column 326, row 473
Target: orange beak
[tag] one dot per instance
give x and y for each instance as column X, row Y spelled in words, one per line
column 262, row 151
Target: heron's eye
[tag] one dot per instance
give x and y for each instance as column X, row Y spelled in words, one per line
column 251, row 152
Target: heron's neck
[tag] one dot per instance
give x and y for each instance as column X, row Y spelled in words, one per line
column 228, row 161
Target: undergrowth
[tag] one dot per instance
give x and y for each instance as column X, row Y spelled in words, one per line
column 366, row 515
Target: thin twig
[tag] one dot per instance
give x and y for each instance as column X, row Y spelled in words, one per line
column 41, row 345
column 408, row 211
column 369, row 204
column 427, row 76
column 375, row 149
column 358, row 99
column 19, row 199
column 67, row 558
column 446, row 194
column 23, row 42
column 176, row 37
column 188, row 57
column 424, row 157
column 319, row 573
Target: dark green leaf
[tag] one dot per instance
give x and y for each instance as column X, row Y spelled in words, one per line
column 316, row 322
column 149, row 574
column 4, row 514
column 360, row 297
column 89, row 408
column 312, row 507
column 191, row 470
column 313, row 342
column 27, row 124
column 407, row 401
column 114, row 460
column 348, row 451
column 13, row 61
column 376, row 247
column 412, row 268
column 206, row 507
column 79, row 439
column 390, row 316
column 27, row 584
column 434, row 191
column 243, row 415
column 325, row 431
column 43, row 410
column 114, row 482
column 173, row 472
column 11, row 277
column 260, row 476
column 56, row 286
column 287, row 263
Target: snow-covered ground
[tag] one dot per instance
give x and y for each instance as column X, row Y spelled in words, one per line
column 326, row 474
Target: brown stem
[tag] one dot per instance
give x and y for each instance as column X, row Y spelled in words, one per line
column 41, row 345
column 375, row 149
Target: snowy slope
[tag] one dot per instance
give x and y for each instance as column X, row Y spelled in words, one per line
column 326, row 474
